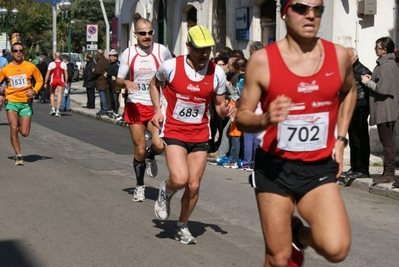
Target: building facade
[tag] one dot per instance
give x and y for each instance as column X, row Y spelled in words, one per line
column 236, row 23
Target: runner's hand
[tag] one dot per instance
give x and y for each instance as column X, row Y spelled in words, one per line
column 157, row 120
column 227, row 110
column 131, row 87
column 30, row 93
column 278, row 110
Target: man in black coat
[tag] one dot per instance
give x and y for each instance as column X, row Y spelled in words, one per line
column 359, row 139
column 44, row 94
column 89, row 81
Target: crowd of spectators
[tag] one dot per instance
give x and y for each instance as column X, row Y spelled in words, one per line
column 230, row 147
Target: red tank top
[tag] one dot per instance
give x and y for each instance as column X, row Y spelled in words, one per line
column 308, row 132
column 57, row 72
column 186, row 104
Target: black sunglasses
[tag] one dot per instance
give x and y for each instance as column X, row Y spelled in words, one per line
column 18, row 50
column 303, row 9
column 145, row 33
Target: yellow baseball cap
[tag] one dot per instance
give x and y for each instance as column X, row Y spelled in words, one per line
column 200, row 37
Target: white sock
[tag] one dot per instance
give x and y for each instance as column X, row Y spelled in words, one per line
column 180, row 224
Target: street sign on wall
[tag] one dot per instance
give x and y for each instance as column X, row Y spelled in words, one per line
column 242, row 23
column 92, row 33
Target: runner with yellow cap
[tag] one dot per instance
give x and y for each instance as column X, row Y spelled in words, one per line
column 192, row 81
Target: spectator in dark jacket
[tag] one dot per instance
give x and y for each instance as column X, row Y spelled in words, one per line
column 359, row 139
column 89, row 81
column 48, row 58
column 101, row 80
column 66, row 100
column 114, row 91
column 44, row 94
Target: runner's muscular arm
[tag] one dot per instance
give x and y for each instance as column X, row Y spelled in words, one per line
column 347, row 102
column 257, row 79
column 155, row 95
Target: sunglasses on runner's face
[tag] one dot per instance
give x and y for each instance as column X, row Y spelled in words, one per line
column 303, row 9
column 17, row 50
column 145, row 33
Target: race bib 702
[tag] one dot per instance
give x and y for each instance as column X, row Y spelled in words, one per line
column 305, row 132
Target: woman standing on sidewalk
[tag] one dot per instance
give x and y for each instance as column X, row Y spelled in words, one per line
column 384, row 97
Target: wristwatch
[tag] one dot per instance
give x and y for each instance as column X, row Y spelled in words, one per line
column 343, row 139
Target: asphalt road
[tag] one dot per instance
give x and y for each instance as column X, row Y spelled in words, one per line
column 70, row 205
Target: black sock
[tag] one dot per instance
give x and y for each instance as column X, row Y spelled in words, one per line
column 139, row 169
column 150, row 153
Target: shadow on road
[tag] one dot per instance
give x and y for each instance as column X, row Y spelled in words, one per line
column 150, row 192
column 12, row 254
column 196, row 228
column 32, row 158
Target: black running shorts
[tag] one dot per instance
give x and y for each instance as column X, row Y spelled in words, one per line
column 189, row 146
column 293, row 177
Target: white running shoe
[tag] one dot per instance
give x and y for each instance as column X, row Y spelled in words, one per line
column 162, row 204
column 139, row 194
column 19, row 161
column 152, row 167
column 183, row 235
column 52, row 112
column 57, row 114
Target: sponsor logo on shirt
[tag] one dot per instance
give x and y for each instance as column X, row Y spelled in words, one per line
column 304, row 118
column 194, row 88
column 308, row 87
column 321, row 104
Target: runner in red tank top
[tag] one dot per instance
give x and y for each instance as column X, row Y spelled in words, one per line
column 192, row 82
column 57, row 74
column 307, row 90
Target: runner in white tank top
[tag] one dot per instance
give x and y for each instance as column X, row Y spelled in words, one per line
column 138, row 65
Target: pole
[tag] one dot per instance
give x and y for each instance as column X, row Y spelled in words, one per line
column 54, row 27
column 69, row 37
column 106, row 27
column 6, row 21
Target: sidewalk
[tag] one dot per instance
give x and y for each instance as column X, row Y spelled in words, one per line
column 79, row 99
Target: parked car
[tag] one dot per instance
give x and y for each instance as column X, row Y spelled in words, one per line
column 78, row 59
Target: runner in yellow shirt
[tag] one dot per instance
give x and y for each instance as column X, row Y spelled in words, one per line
column 18, row 95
